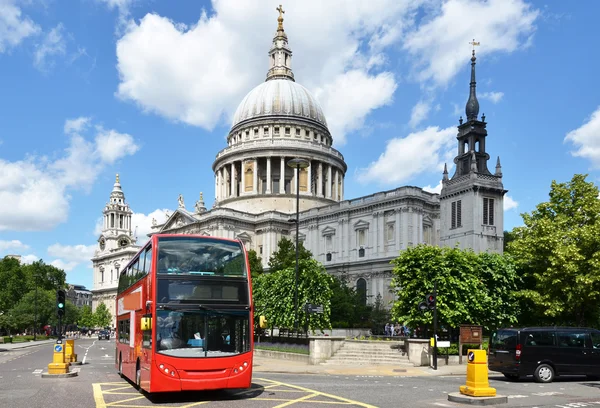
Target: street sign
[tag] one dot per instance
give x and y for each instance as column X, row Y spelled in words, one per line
column 58, row 348
column 471, row 356
column 443, row 343
column 314, row 308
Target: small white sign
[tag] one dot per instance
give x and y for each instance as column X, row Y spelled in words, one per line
column 443, row 344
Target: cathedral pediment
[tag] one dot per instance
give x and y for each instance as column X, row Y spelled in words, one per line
column 244, row 237
column 328, row 231
column 361, row 224
column 180, row 218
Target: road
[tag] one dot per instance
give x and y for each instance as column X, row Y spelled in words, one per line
column 98, row 385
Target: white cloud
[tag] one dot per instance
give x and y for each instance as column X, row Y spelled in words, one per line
column 198, row 74
column 143, row 223
column 13, row 245
column 35, row 191
column 65, row 266
column 439, row 45
column 53, row 44
column 419, row 113
column 14, row 27
column 495, row 97
column 113, row 145
column 72, row 253
column 406, row 157
column 586, row 139
column 351, row 98
column 29, row 259
column 509, row 203
column 437, row 189
column 77, row 125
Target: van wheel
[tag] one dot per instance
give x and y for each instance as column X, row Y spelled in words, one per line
column 544, row 373
column 511, row 377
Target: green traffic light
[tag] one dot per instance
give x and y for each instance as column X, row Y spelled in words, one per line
column 60, row 305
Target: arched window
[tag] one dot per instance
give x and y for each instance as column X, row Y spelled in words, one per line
column 361, row 290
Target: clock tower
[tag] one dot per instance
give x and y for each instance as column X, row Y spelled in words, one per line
column 116, row 246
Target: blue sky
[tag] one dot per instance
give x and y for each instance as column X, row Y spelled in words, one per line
column 147, row 89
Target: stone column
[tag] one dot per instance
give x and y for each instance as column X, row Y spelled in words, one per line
column 309, row 180
column 217, row 185
column 376, row 232
column 233, row 180
column 282, row 177
column 268, row 191
column 255, row 177
column 398, row 228
column 328, row 192
column 221, row 182
column 320, row 180
column 342, row 187
column 336, row 186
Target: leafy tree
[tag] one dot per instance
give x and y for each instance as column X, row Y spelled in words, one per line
column 45, row 276
column 471, row 288
column 13, row 284
column 86, row 317
column 379, row 316
column 285, row 256
column 274, row 295
column 558, row 251
column 102, row 316
column 348, row 307
column 255, row 264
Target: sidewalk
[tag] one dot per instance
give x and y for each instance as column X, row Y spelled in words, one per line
column 272, row 365
column 24, row 344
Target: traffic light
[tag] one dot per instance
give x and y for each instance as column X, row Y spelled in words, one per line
column 60, row 302
column 262, row 322
column 431, row 301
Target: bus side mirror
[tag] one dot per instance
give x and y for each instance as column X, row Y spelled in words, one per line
column 146, row 323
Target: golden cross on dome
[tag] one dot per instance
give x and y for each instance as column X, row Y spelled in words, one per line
column 280, row 18
column 474, row 44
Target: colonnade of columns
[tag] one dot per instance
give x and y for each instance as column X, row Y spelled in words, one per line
column 116, row 220
column 262, row 176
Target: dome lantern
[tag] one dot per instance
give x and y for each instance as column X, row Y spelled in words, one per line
column 280, row 54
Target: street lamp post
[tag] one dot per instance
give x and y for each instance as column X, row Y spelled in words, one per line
column 297, row 164
column 35, row 310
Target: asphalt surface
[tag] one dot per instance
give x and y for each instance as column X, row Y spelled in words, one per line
column 98, row 385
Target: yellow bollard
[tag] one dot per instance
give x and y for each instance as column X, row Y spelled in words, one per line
column 58, row 365
column 70, row 356
column 477, row 376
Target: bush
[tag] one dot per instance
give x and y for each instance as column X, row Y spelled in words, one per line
column 283, row 348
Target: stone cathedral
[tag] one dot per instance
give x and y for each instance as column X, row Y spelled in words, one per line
column 255, row 189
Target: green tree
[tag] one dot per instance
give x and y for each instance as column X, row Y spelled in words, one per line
column 274, row 295
column 285, row 256
column 558, row 252
column 86, row 317
column 348, row 307
column 471, row 288
column 102, row 316
column 255, row 264
column 379, row 316
column 13, row 283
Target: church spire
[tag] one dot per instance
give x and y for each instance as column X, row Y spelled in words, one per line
column 472, row 108
column 280, row 54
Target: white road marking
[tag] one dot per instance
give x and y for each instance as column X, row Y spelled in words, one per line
column 38, row 371
column 517, row 396
column 86, row 352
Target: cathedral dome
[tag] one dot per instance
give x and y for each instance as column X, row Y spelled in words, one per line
column 281, row 97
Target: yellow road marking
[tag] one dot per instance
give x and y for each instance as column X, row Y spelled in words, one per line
column 334, row 397
column 114, row 404
column 309, row 396
column 98, row 396
column 195, row 404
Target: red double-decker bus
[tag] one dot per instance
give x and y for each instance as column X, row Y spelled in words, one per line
column 184, row 315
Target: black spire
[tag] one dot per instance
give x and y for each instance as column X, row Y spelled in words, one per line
column 472, row 108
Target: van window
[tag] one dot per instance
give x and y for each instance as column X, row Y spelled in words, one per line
column 540, row 338
column 571, row 339
column 504, row 340
column 595, row 340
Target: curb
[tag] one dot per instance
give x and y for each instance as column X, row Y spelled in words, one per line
column 467, row 399
column 65, row 375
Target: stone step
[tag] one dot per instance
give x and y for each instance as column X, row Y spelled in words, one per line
column 368, row 362
column 357, row 354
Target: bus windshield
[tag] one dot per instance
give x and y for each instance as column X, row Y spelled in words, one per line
column 200, row 257
column 202, row 333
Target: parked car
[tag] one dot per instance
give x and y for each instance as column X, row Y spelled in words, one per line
column 103, row 335
column 545, row 352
